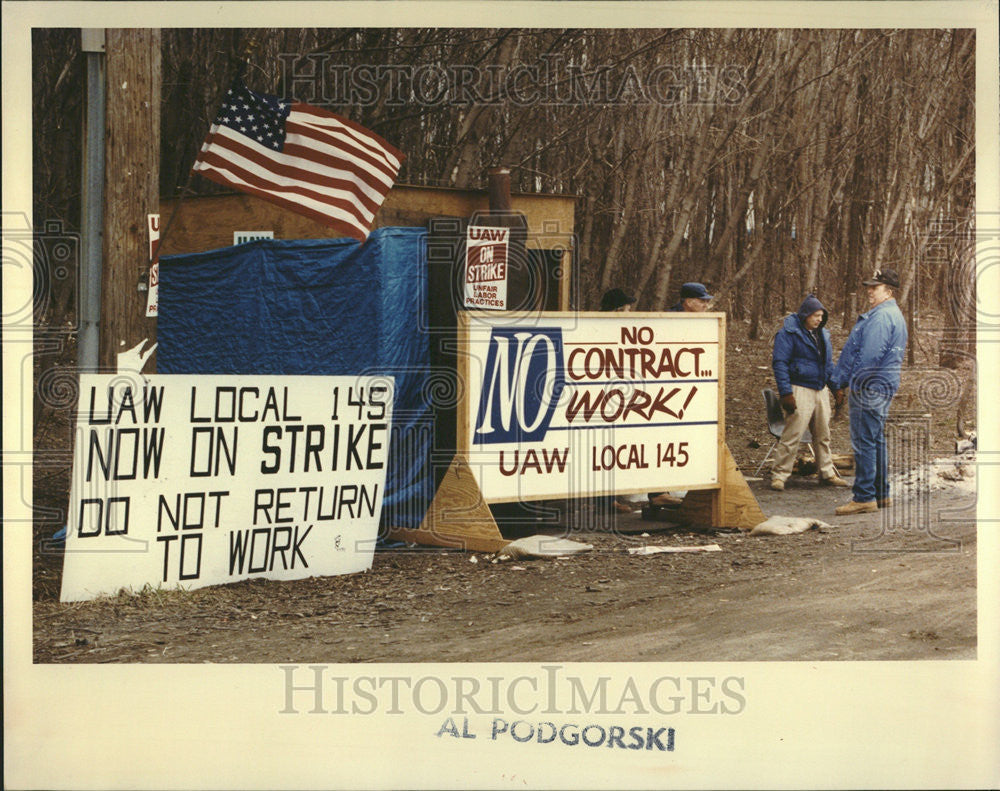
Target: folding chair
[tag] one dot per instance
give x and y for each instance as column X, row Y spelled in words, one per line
column 776, row 425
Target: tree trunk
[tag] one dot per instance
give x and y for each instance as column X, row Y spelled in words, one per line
column 462, row 167
column 820, row 213
column 625, row 216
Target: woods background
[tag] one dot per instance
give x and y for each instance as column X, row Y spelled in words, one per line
column 768, row 163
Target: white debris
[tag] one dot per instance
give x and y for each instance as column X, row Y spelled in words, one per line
column 787, row 525
column 539, row 546
column 134, row 359
column 952, row 472
column 657, row 549
column 966, row 444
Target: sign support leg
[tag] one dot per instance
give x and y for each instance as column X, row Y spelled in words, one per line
column 458, row 515
column 733, row 504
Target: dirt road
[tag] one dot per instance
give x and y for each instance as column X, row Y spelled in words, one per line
column 828, row 594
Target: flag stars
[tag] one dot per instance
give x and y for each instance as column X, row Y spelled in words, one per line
column 260, row 118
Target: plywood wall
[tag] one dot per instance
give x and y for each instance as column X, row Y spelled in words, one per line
column 206, row 223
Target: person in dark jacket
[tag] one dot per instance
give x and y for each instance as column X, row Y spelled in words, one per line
column 803, row 366
column 615, row 299
column 869, row 368
column 694, row 299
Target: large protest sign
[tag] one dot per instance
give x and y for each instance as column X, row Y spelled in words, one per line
column 199, row 480
column 594, row 403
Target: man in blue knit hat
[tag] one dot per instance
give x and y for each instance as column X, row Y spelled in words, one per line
column 802, row 360
column 869, row 368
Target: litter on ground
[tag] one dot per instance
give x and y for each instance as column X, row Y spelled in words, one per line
column 787, row 525
column 657, row 549
column 956, row 472
column 540, row 546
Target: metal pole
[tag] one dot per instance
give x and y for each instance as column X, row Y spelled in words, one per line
column 92, row 201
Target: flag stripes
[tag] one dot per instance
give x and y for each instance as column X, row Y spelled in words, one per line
column 304, row 158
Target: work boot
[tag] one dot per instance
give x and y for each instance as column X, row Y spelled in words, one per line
column 664, row 499
column 833, row 480
column 777, row 484
column 856, row 508
column 885, row 502
column 623, row 508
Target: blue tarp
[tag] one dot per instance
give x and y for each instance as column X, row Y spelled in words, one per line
column 314, row 307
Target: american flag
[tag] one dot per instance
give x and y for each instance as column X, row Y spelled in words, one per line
column 304, row 158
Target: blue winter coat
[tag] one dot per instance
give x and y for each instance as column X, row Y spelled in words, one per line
column 796, row 357
column 873, row 355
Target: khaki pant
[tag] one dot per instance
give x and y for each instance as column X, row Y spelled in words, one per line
column 812, row 410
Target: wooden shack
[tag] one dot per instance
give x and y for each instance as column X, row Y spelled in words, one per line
column 210, row 222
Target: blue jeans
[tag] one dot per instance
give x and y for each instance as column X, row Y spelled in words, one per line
column 871, row 461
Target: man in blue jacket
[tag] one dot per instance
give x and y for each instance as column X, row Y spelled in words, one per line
column 803, row 364
column 869, row 367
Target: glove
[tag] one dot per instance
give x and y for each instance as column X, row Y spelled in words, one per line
column 788, row 403
column 838, row 402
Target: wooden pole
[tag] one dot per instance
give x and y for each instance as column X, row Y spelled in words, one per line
column 131, row 188
column 498, row 186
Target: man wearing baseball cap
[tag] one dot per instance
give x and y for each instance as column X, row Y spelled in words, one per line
column 694, row 299
column 869, row 369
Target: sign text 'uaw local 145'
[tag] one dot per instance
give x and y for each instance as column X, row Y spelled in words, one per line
column 569, row 406
column 199, row 480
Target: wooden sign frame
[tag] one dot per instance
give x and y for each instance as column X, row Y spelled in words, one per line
column 459, row 515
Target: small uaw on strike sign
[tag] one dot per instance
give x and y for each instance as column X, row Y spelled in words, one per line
column 486, row 267
column 199, row 480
